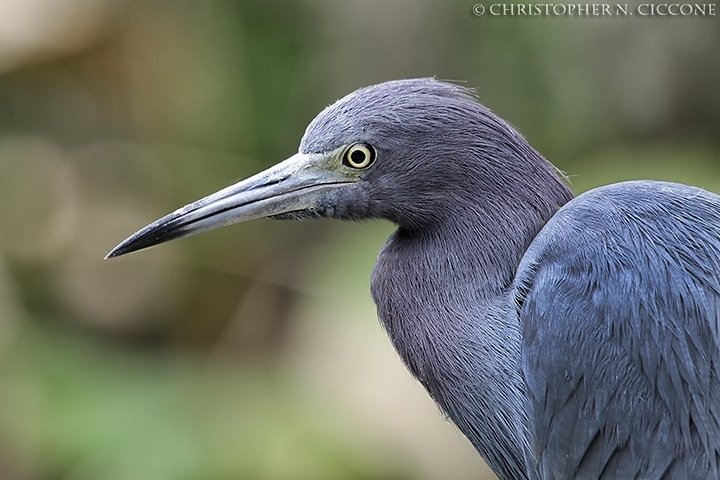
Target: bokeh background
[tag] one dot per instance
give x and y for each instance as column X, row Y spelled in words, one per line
column 253, row 352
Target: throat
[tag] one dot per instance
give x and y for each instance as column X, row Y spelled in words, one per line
column 443, row 296
column 459, row 335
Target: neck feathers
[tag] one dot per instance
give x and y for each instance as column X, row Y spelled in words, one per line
column 441, row 293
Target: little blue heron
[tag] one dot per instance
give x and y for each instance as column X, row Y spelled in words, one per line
column 565, row 337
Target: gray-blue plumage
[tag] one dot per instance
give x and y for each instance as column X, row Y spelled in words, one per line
column 566, row 338
column 619, row 298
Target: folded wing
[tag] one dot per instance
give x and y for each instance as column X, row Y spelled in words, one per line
column 619, row 298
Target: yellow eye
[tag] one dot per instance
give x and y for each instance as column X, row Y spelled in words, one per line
column 359, row 155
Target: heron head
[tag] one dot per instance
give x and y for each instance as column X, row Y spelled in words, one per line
column 405, row 150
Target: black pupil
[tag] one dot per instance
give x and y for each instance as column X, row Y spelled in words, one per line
column 358, row 157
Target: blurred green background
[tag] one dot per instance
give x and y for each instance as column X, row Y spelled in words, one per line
column 253, row 352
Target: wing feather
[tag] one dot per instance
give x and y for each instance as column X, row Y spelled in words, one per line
column 619, row 298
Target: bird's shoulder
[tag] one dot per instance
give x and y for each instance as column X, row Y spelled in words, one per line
column 619, row 300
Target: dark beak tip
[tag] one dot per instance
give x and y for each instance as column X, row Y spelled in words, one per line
column 131, row 244
column 154, row 234
column 119, row 250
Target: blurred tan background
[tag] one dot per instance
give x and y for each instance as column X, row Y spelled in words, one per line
column 253, row 352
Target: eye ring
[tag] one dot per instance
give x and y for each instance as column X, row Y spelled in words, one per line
column 359, row 156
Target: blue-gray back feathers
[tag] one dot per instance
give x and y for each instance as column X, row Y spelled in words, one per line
column 619, row 298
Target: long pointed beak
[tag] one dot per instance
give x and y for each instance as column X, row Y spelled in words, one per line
column 293, row 185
